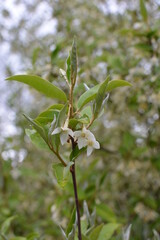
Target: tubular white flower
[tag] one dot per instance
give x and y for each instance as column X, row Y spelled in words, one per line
column 86, row 138
column 64, row 133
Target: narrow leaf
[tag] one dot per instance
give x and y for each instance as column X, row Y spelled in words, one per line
column 107, row 231
column 87, row 111
column 36, row 139
column 71, row 222
column 63, row 234
column 126, row 233
column 84, row 225
column 91, row 93
column 41, row 85
column 95, row 232
column 105, row 213
column 68, row 68
column 60, row 174
column 62, row 116
column 100, row 97
column 85, row 237
column 37, row 127
column 48, row 115
column 76, row 152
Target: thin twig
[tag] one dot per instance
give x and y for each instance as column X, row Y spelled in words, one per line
column 58, row 155
column 92, row 120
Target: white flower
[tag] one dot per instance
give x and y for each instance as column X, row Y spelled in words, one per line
column 64, row 133
column 82, row 137
column 86, row 138
column 91, row 144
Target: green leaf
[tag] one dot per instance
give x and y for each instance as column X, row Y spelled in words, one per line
column 87, row 96
column 48, row 115
column 74, row 62
column 36, row 139
column 117, row 83
column 6, row 224
column 68, row 68
column 87, row 111
column 58, row 172
column 62, row 116
column 73, row 122
column 41, row 85
column 91, row 93
column 105, row 213
column 37, row 127
column 85, row 237
column 61, row 173
column 84, row 225
column 76, row 152
column 100, row 97
column 107, row 231
column 143, row 10
column 95, row 232
column 47, row 111
column 71, row 222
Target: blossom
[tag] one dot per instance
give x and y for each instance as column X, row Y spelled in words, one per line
column 64, row 133
column 91, row 144
column 86, row 138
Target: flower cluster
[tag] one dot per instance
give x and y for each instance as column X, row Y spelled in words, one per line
column 84, row 138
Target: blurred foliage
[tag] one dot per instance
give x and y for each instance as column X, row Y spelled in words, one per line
column 122, row 180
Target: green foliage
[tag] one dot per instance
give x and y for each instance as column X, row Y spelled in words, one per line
column 40, row 85
column 62, row 116
column 107, row 231
column 91, row 93
column 37, row 127
column 61, row 173
column 95, row 233
column 105, row 213
column 68, row 67
column 36, row 139
column 103, row 232
column 76, row 152
column 48, row 115
column 126, row 170
column 71, row 222
column 99, row 98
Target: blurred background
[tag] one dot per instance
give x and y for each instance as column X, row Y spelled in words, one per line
column 122, row 180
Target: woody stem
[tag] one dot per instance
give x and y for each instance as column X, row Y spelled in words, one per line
column 73, row 172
